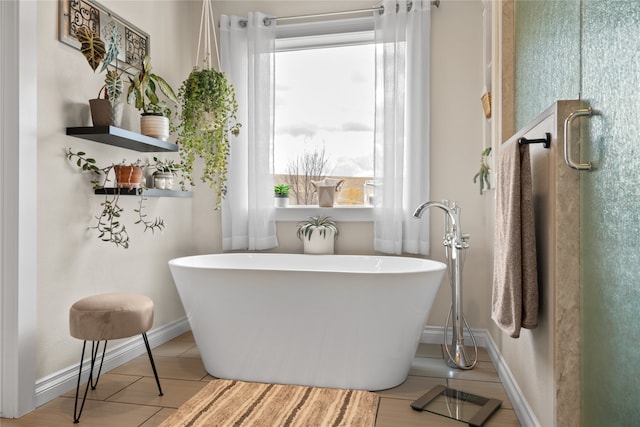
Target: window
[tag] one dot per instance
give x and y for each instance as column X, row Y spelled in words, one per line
column 324, row 114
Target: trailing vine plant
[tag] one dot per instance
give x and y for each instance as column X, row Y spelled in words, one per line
column 484, row 172
column 207, row 119
column 108, row 224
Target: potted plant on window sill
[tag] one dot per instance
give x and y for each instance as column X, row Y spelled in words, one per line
column 156, row 114
column 318, row 235
column 108, row 222
column 208, row 118
column 105, row 111
column 281, row 195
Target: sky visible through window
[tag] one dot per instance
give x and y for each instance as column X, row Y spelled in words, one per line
column 325, row 99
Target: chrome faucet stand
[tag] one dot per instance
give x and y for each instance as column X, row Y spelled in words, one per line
column 455, row 244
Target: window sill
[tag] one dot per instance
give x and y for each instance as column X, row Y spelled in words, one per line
column 337, row 213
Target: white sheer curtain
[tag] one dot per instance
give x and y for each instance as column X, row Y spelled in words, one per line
column 401, row 166
column 247, row 49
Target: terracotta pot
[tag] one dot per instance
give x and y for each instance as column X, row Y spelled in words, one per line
column 155, row 126
column 104, row 114
column 128, row 176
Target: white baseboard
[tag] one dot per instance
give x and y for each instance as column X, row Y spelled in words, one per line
column 435, row 335
column 52, row 386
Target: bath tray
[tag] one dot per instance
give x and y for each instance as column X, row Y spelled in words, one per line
column 458, row 405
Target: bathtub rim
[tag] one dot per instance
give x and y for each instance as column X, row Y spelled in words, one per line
column 312, row 263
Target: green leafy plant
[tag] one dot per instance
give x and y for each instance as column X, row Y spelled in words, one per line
column 95, row 51
column 322, row 224
column 108, row 221
column 166, row 165
column 142, row 91
column 282, row 190
column 484, row 172
column 208, row 117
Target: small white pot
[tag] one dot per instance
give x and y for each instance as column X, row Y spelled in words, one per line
column 154, row 126
column 319, row 244
column 163, row 180
column 281, row 201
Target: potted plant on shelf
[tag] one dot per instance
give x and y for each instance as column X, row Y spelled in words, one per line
column 108, row 223
column 165, row 171
column 208, row 117
column 128, row 176
column 318, row 234
column 281, row 195
column 105, row 111
column 156, row 114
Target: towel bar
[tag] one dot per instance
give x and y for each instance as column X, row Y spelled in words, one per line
column 546, row 140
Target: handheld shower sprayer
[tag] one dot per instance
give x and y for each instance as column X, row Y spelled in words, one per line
column 455, row 244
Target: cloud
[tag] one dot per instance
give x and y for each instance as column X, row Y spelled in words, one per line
column 352, row 166
column 356, row 127
column 305, row 130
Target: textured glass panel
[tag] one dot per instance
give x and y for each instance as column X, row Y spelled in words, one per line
column 547, row 60
column 549, row 67
column 611, row 215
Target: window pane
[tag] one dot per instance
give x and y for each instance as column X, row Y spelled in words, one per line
column 324, row 117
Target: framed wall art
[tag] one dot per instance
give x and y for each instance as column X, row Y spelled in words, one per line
column 133, row 43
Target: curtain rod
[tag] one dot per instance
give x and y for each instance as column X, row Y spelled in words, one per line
column 379, row 9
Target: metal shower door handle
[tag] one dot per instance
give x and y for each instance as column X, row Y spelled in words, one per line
column 568, row 143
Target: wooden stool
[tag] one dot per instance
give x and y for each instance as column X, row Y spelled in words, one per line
column 107, row 317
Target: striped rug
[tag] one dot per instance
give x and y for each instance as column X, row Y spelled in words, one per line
column 238, row 403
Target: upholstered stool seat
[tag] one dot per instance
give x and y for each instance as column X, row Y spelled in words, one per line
column 107, row 317
column 110, row 316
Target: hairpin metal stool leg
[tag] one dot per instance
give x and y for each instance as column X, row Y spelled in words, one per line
column 95, row 346
column 153, row 365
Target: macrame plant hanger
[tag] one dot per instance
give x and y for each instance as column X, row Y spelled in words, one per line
column 207, row 30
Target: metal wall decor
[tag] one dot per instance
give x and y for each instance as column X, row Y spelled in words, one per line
column 133, row 43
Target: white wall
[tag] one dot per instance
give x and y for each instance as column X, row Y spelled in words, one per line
column 73, row 263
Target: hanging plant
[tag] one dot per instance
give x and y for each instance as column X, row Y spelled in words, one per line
column 208, row 117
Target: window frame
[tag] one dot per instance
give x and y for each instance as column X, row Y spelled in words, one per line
column 314, row 35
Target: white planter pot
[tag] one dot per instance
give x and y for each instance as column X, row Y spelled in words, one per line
column 154, row 126
column 319, row 244
column 281, row 202
column 163, row 180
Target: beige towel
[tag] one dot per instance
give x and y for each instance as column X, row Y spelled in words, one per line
column 515, row 275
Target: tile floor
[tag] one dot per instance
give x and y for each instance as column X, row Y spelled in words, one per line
column 127, row 395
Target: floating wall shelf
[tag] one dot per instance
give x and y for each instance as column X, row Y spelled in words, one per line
column 148, row 192
column 121, row 138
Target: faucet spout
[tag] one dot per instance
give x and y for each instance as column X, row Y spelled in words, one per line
column 420, row 210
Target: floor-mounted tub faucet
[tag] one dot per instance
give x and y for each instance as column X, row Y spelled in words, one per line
column 457, row 243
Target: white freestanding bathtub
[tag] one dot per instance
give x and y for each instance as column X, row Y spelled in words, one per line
column 342, row 321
